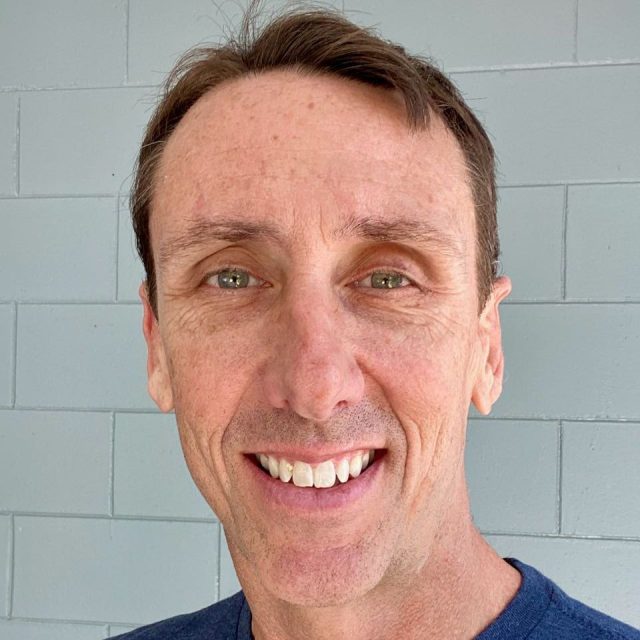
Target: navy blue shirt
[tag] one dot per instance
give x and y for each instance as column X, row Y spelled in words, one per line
column 540, row 610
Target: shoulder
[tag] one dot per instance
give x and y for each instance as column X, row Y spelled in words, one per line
column 216, row 622
column 569, row 618
column 540, row 610
column 557, row 616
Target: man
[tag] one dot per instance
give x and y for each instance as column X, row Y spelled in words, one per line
column 315, row 210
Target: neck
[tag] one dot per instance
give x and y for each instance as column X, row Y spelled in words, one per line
column 461, row 587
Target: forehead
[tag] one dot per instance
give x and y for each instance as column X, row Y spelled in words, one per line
column 310, row 153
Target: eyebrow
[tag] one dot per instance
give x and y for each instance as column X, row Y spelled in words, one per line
column 401, row 229
column 201, row 232
column 376, row 229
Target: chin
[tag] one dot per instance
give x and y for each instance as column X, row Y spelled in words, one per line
column 324, row 578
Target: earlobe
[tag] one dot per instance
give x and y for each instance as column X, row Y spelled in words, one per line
column 158, row 379
column 488, row 384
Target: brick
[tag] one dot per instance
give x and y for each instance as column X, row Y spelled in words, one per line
column 84, row 356
column 229, row 583
column 531, row 226
column 5, row 560
column 512, row 475
column 75, row 244
column 160, row 31
column 130, row 269
column 608, row 30
column 18, row 630
column 7, row 338
column 463, row 34
column 8, row 143
column 68, row 42
column 568, row 361
column 131, row 572
column 54, row 461
column 600, row 479
column 555, row 125
column 604, row 574
column 603, row 227
column 81, row 142
column 158, row 483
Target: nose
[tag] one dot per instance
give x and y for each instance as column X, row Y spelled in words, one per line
column 312, row 370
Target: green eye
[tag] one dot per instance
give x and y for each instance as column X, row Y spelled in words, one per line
column 231, row 279
column 386, row 280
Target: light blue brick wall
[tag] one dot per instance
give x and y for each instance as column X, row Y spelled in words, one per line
column 156, row 484
column 101, row 528
column 8, row 143
column 7, row 354
column 55, row 461
column 61, row 233
column 61, row 132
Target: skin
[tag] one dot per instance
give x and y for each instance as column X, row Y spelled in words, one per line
column 311, row 354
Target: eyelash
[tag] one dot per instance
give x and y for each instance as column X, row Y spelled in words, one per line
column 394, row 272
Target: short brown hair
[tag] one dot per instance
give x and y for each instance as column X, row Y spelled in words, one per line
column 321, row 41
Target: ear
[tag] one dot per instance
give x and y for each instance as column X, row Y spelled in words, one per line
column 158, row 379
column 488, row 385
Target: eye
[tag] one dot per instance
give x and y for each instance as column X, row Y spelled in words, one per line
column 232, row 278
column 385, row 280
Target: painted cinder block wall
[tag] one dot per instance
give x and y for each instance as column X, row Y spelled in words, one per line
column 101, row 528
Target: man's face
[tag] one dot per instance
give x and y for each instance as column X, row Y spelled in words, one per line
column 317, row 297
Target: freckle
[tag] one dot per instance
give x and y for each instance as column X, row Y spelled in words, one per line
column 311, row 105
column 275, row 137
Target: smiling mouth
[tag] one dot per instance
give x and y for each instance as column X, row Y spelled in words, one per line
column 324, row 475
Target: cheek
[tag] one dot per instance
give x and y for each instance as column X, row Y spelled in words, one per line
column 425, row 384
column 423, row 372
column 209, row 373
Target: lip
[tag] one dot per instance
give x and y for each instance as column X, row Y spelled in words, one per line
column 309, row 500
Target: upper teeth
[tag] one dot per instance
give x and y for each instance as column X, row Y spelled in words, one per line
column 321, row 475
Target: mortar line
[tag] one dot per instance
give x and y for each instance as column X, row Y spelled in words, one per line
column 513, row 418
column 624, row 62
column 12, row 562
column 511, row 185
column 112, row 445
column 585, row 420
column 126, row 42
column 117, row 292
column 14, row 364
column 555, row 536
column 575, row 31
column 563, row 245
column 75, row 303
column 561, row 302
column 108, row 302
column 560, row 478
column 166, row 519
column 67, row 621
column 586, row 302
column 512, row 303
column 63, row 409
column 630, row 62
column 102, row 87
column 569, row 183
column 61, row 196
column 18, row 150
